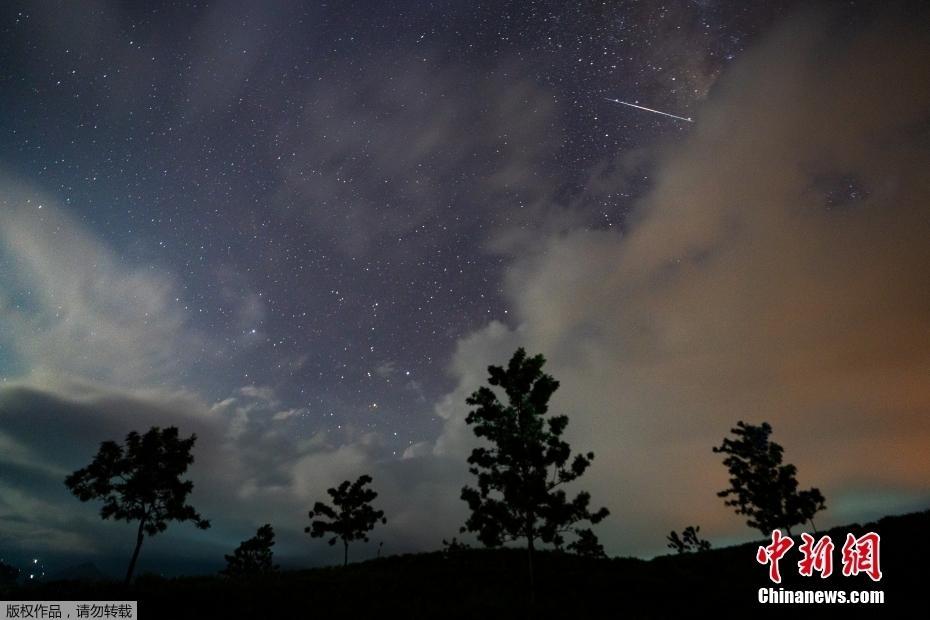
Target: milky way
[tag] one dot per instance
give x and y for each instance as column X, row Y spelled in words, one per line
column 324, row 182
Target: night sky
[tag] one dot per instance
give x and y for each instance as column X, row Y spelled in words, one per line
column 302, row 231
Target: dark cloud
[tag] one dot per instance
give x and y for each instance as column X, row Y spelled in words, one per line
column 249, row 469
column 412, row 143
column 51, row 430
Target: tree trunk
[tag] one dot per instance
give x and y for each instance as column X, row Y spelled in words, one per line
column 529, row 559
column 135, row 554
column 529, row 563
column 345, row 556
column 813, row 525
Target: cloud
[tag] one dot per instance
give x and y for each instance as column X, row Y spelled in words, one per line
column 15, row 454
column 386, row 369
column 52, row 426
column 68, row 305
column 93, row 350
column 30, row 523
column 375, row 160
column 776, row 271
column 254, row 463
column 260, row 393
column 470, row 361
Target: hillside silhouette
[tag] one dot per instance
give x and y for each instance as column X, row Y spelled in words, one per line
column 464, row 583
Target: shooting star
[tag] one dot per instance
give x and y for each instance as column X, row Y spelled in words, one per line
column 633, row 105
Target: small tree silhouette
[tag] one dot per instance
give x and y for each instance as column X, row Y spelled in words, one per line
column 587, row 544
column 252, row 556
column 141, row 481
column 689, row 540
column 520, row 475
column 350, row 518
column 454, row 546
column 760, row 486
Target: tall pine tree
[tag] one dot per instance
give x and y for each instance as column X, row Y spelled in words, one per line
column 761, row 487
column 522, row 473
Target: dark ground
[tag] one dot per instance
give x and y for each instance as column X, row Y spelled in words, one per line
column 492, row 583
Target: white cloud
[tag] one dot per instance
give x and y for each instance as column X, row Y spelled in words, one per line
column 68, row 305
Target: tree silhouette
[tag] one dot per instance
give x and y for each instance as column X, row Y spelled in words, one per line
column 802, row 506
column 760, row 486
column 520, row 475
column 454, row 546
column 252, row 556
column 688, row 541
column 587, row 544
column 350, row 517
column 141, row 481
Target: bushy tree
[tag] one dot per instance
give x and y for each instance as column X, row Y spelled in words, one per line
column 586, row 544
column 454, row 545
column 350, row 517
column 452, row 549
column 688, row 541
column 252, row 556
column 522, row 472
column 141, row 481
column 761, row 487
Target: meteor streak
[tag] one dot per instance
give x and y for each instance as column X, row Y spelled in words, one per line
column 633, row 105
